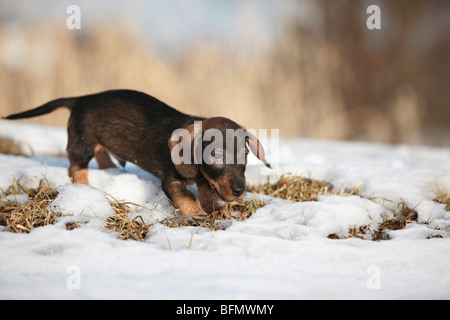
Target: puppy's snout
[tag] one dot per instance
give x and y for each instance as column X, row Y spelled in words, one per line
column 238, row 190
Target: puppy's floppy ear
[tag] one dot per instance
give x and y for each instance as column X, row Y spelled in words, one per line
column 183, row 145
column 256, row 147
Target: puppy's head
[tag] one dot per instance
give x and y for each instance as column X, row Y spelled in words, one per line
column 216, row 149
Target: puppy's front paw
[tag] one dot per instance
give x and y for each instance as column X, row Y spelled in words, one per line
column 198, row 212
column 190, row 207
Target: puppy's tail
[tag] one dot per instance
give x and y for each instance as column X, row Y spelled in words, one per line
column 44, row 109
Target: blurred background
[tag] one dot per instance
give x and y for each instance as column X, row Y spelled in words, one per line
column 310, row 68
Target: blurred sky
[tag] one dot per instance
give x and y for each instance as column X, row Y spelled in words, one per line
column 172, row 25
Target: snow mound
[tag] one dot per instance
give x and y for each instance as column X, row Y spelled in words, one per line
column 76, row 199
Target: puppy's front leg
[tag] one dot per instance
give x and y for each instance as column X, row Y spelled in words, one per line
column 185, row 201
column 78, row 174
column 208, row 197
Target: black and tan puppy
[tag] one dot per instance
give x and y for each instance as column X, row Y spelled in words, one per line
column 133, row 126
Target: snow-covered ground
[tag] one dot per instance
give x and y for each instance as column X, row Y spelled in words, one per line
column 281, row 252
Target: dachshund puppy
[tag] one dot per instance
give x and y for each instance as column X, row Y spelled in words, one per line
column 177, row 148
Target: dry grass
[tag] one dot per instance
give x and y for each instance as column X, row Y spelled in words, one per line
column 127, row 228
column 443, row 198
column 296, row 86
column 24, row 217
column 9, row 147
column 300, row 189
column 137, row 229
column 236, row 210
column 267, row 92
column 294, row 188
column 304, row 189
column 191, row 221
column 241, row 210
column 401, row 217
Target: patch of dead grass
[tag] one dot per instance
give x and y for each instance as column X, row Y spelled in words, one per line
column 296, row 188
column 236, row 210
column 24, row 217
column 443, row 198
column 192, row 221
column 127, row 228
column 401, row 217
column 9, row 147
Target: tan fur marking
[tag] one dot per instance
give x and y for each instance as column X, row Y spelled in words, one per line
column 183, row 198
column 222, row 186
column 81, row 176
column 189, row 207
column 103, row 158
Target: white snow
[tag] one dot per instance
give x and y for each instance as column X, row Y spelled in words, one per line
column 94, row 202
column 281, row 252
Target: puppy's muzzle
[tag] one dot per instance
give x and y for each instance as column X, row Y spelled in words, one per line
column 238, row 190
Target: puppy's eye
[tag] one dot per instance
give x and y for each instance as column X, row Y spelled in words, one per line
column 218, row 158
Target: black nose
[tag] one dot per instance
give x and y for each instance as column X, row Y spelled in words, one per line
column 237, row 190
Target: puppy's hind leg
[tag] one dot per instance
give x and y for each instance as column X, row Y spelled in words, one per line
column 103, row 158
